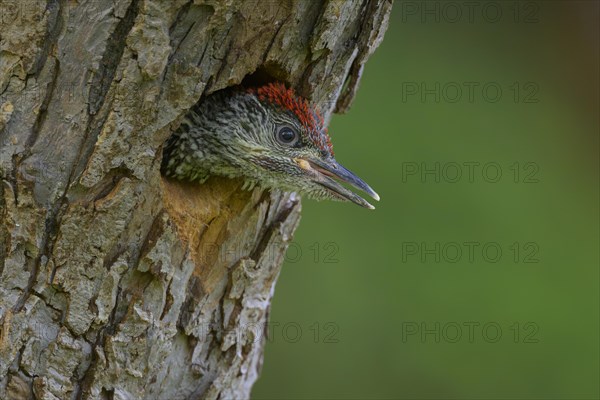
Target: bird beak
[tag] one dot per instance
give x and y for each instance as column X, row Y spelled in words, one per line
column 324, row 172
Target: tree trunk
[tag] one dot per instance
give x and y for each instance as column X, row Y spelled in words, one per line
column 116, row 283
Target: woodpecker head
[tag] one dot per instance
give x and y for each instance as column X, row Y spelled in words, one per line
column 269, row 136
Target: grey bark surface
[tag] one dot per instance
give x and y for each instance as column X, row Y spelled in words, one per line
column 116, row 283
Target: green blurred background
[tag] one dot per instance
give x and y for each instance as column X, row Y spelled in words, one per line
column 367, row 306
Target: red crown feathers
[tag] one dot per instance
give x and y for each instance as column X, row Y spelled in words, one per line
column 311, row 119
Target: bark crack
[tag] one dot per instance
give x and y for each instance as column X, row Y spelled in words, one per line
column 46, row 246
column 110, row 59
column 41, row 117
column 53, row 29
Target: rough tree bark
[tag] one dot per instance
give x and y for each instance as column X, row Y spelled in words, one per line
column 115, row 283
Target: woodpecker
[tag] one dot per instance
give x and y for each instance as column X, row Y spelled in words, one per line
column 269, row 136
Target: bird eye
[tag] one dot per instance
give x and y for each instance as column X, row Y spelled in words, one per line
column 287, row 136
